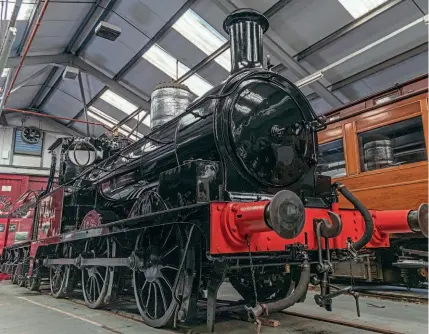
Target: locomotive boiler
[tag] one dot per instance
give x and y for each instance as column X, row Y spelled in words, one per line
column 223, row 186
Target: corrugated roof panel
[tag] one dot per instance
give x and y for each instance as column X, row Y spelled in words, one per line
column 130, row 35
column 292, row 23
column 104, row 55
column 164, row 8
column 141, row 16
column 22, row 98
column 260, row 5
column 62, row 104
column 91, row 87
column 387, row 22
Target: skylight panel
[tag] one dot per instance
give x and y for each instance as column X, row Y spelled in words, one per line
column 110, row 122
column 118, row 102
column 100, row 119
column 5, row 72
column 141, row 114
column 169, row 65
column 24, row 12
column 357, row 8
column 103, row 115
column 202, row 35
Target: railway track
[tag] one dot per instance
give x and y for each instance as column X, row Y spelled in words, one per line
column 125, row 308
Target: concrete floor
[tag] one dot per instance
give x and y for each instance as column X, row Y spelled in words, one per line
column 23, row 312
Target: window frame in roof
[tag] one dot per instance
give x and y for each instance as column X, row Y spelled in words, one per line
column 359, row 8
column 206, row 38
column 164, row 61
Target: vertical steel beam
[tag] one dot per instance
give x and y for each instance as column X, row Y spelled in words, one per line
column 82, row 93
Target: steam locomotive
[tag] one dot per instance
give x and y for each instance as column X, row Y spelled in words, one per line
column 223, row 186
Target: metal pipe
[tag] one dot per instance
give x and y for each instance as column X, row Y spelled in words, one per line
column 82, row 93
column 366, row 215
column 54, row 117
column 27, row 47
column 294, row 297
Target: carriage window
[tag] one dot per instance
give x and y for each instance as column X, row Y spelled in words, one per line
column 331, row 159
column 1, row 227
column 392, row 145
column 12, row 228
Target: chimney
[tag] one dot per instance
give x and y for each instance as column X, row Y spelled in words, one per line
column 245, row 28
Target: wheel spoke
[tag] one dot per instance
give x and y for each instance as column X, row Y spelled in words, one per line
column 170, row 267
column 141, row 291
column 91, row 282
column 169, row 251
column 166, row 239
column 98, row 285
column 148, row 296
column 161, row 291
column 99, row 275
column 167, row 282
column 156, row 301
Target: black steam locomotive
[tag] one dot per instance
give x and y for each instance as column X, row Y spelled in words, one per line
column 223, row 186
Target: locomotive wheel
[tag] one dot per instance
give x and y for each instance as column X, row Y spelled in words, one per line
column 34, row 284
column 153, row 283
column 14, row 278
column 21, row 281
column 269, row 287
column 61, row 276
column 96, row 279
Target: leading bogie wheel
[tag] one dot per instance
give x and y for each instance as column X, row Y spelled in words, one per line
column 61, row 276
column 97, row 281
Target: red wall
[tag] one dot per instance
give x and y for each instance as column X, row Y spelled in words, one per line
column 12, row 185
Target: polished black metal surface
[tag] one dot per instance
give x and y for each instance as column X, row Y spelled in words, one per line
column 245, row 27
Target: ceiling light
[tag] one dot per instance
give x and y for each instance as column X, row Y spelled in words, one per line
column 107, row 31
column 357, row 8
column 203, row 36
column 170, row 65
column 5, row 72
